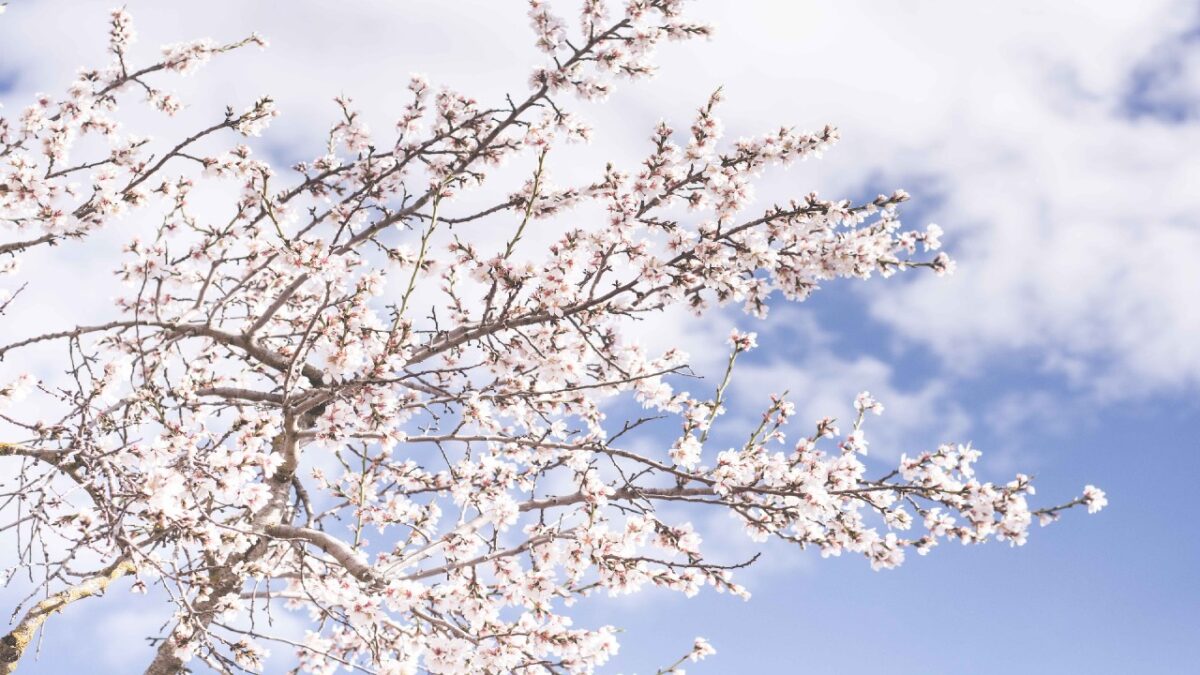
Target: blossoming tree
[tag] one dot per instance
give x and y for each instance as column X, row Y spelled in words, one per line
column 333, row 400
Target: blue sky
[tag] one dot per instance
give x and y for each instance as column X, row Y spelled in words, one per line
column 1112, row 593
column 1055, row 145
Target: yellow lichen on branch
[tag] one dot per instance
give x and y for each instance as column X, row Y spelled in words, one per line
column 13, row 645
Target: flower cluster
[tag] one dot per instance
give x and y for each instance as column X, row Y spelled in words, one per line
column 338, row 401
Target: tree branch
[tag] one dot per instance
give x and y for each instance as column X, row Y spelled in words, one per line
column 13, row 645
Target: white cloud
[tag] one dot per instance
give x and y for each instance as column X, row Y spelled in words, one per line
column 1074, row 223
column 1078, row 246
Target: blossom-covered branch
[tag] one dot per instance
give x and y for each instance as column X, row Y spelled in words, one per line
column 340, row 393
